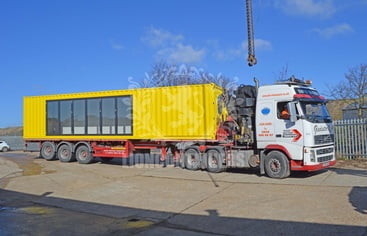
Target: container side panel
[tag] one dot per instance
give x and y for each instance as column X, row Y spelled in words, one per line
column 34, row 117
column 167, row 113
column 175, row 113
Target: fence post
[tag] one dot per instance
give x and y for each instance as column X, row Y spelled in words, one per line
column 351, row 138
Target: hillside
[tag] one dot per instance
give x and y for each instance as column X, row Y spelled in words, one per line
column 11, row 131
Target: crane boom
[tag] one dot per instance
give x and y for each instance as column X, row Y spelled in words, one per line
column 251, row 59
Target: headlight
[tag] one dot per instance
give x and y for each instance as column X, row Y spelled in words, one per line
column 312, row 156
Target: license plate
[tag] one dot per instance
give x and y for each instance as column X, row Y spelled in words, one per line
column 325, row 164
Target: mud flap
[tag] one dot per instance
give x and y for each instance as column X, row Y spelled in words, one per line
column 262, row 163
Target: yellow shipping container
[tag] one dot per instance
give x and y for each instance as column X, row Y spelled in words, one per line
column 189, row 112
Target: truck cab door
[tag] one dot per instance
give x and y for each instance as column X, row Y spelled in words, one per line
column 288, row 130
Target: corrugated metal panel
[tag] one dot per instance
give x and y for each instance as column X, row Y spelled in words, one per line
column 181, row 112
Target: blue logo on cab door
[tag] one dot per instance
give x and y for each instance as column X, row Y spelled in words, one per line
column 265, row 111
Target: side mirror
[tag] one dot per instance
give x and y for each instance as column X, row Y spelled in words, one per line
column 291, row 106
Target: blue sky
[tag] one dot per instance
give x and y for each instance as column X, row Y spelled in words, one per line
column 64, row 46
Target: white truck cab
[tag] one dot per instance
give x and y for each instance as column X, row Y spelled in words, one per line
column 292, row 122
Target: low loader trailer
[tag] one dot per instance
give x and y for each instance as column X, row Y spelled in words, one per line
column 202, row 125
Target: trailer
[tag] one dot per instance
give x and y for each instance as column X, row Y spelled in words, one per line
column 202, row 125
column 113, row 124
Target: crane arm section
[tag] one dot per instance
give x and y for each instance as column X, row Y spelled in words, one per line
column 251, row 59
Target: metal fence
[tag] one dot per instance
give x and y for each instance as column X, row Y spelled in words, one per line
column 351, row 138
column 15, row 142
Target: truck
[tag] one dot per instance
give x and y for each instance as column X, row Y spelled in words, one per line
column 202, row 126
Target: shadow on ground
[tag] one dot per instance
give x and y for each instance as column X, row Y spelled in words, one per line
column 343, row 171
column 25, row 214
column 358, row 199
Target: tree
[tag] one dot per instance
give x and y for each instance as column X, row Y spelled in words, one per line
column 164, row 74
column 353, row 88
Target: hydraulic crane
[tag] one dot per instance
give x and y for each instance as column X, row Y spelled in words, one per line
column 251, row 59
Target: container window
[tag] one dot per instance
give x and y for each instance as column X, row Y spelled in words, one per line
column 53, row 121
column 93, row 116
column 65, row 117
column 124, row 115
column 108, row 116
column 79, row 117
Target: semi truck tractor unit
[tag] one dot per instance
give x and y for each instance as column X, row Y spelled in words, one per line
column 276, row 128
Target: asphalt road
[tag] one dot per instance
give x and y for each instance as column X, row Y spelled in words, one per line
column 39, row 197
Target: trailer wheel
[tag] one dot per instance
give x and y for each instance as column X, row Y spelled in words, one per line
column 83, row 155
column 214, row 161
column 277, row 165
column 65, row 153
column 192, row 159
column 48, row 151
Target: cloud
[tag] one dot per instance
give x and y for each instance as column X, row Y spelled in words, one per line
column 181, row 53
column 171, row 47
column 262, row 45
column 158, row 37
column 241, row 51
column 332, row 31
column 310, row 8
column 117, row 46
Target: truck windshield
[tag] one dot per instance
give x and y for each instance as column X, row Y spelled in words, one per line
column 315, row 112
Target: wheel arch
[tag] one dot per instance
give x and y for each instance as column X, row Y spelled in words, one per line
column 277, row 147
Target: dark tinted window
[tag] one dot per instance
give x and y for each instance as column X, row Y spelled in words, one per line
column 79, row 117
column 93, row 116
column 65, row 117
column 108, row 116
column 124, row 115
column 53, row 122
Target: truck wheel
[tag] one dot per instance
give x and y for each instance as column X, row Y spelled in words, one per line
column 83, row 155
column 214, row 161
column 65, row 153
column 192, row 159
column 48, row 151
column 277, row 165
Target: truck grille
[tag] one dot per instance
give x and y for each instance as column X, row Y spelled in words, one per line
column 324, row 151
column 322, row 139
column 325, row 158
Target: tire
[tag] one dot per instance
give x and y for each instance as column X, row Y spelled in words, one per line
column 65, row 153
column 48, row 151
column 214, row 161
column 192, row 159
column 5, row 149
column 83, row 155
column 277, row 165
